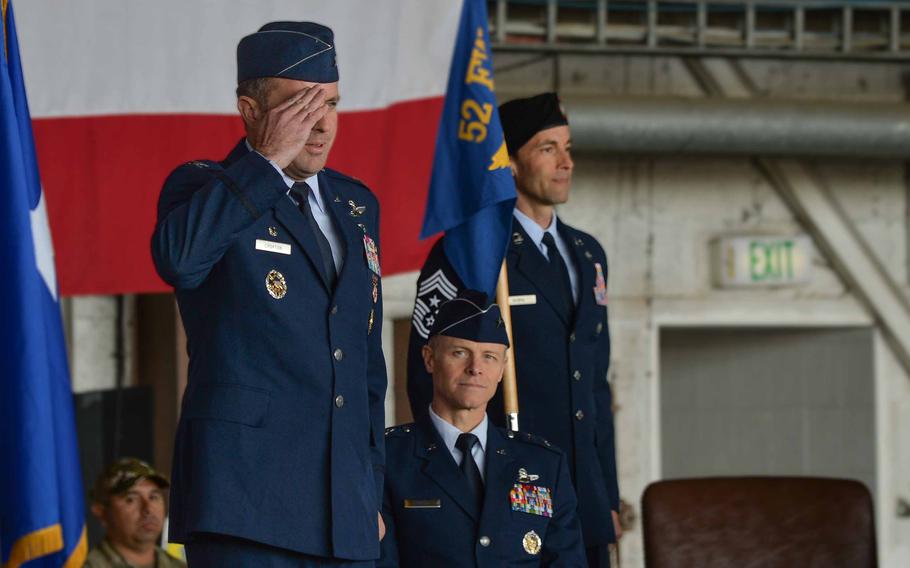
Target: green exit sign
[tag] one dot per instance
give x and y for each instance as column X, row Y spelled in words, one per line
column 762, row 261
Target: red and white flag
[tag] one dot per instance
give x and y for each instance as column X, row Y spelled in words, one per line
column 121, row 92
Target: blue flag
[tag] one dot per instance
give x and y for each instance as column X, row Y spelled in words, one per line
column 42, row 513
column 472, row 193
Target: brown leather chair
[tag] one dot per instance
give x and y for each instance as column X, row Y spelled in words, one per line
column 746, row 522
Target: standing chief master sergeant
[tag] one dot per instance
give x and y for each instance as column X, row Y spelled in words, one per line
column 557, row 279
column 463, row 494
column 279, row 453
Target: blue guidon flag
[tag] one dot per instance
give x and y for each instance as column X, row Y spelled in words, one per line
column 42, row 512
column 472, row 193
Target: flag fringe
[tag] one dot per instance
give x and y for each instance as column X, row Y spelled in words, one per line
column 35, row 545
column 77, row 558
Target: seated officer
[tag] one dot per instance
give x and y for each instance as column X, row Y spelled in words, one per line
column 128, row 501
column 460, row 492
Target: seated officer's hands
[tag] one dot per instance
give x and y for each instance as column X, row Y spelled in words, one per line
column 280, row 133
column 381, row 527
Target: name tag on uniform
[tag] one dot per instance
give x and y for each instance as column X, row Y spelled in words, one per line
column 422, row 504
column 523, row 300
column 272, row 246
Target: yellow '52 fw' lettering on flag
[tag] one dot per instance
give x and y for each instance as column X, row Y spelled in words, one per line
column 475, row 116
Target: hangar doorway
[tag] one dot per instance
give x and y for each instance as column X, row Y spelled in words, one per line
column 768, row 402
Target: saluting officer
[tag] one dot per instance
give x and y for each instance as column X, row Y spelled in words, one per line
column 279, row 452
column 557, row 279
column 460, row 492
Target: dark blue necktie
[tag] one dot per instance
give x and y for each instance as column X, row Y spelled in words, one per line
column 469, row 468
column 560, row 273
column 301, row 192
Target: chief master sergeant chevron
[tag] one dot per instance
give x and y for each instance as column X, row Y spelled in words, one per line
column 279, row 453
column 557, row 280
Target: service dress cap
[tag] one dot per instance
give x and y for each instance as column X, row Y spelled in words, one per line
column 471, row 316
column 523, row 118
column 304, row 51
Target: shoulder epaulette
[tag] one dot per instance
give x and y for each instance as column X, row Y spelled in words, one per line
column 345, row 177
column 400, row 430
column 533, row 440
column 586, row 243
column 203, row 164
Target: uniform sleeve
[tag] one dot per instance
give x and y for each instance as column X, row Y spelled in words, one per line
column 389, row 546
column 201, row 209
column 377, row 382
column 437, row 283
column 563, row 546
column 603, row 399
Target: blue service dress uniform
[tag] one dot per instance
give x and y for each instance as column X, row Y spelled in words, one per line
column 432, row 518
column 561, row 366
column 280, row 439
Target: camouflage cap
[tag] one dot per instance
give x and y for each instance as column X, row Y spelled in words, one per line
column 121, row 475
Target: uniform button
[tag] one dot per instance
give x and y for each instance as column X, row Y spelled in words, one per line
column 334, row 310
column 484, row 541
column 579, row 415
column 600, row 327
column 338, row 354
column 576, row 375
column 572, row 337
column 339, row 401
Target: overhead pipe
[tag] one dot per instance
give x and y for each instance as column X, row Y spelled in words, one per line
column 745, row 127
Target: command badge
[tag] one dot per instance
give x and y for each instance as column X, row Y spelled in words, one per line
column 600, row 286
column 276, row 285
column 531, row 542
column 532, row 499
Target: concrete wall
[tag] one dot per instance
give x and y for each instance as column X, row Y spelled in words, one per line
column 90, row 323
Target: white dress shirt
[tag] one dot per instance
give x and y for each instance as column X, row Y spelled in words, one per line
column 450, row 433
column 536, row 232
